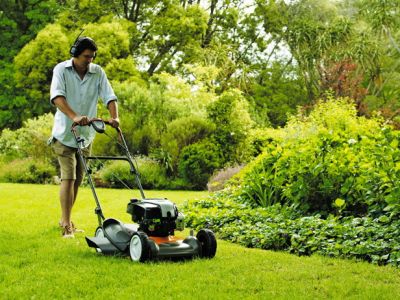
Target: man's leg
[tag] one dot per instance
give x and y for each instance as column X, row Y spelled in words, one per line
column 67, row 196
column 67, row 161
column 80, row 171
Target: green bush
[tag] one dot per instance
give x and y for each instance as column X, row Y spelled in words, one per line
column 326, row 162
column 152, row 176
column 183, row 132
column 30, row 140
column 230, row 114
column 198, row 162
column 117, row 174
column 27, row 171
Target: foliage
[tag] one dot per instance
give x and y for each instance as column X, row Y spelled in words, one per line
column 21, row 21
column 112, row 40
column 34, row 65
column 230, row 114
column 26, row 156
column 30, row 140
column 152, row 176
column 312, row 30
column 181, row 133
column 275, row 94
column 328, row 155
column 27, row 170
column 148, row 112
column 198, row 161
column 283, row 228
column 122, row 69
column 10, row 110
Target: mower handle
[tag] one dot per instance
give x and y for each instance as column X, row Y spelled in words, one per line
column 92, row 123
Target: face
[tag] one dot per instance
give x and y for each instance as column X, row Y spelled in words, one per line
column 85, row 58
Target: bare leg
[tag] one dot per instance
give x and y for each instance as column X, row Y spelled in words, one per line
column 76, row 187
column 67, row 196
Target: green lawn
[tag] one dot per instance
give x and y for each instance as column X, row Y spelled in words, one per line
column 36, row 263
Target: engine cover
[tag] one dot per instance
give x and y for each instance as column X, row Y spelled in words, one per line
column 156, row 217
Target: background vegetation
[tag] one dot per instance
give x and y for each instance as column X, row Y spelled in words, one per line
column 195, row 79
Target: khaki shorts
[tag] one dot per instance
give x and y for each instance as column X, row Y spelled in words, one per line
column 70, row 164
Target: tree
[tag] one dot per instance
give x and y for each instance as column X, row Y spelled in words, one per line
column 34, row 66
column 20, row 21
column 313, row 32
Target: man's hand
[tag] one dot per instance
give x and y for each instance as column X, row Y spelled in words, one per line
column 81, row 120
column 114, row 122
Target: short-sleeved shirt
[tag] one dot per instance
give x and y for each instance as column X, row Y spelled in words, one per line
column 82, row 96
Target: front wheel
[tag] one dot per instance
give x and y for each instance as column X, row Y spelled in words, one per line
column 139, row 249
column 99, row 232
column 208, row 243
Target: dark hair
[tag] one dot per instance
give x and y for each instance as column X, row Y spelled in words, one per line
column 82, row 44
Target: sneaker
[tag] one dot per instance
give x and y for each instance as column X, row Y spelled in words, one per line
column 67, row 232
column 76, row 230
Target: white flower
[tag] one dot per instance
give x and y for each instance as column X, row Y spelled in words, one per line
column 352, row 141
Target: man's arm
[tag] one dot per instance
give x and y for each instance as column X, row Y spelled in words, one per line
column 61, row 103
column 113, row 109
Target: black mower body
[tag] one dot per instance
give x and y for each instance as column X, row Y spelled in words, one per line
column 117, row 238
column 152, row 237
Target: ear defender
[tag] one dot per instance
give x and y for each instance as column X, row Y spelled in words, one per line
column 75, row 51
column 72, row 51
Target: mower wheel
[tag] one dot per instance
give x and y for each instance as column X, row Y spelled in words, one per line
column 139, row 248
column 208, row 243
column 99, row 232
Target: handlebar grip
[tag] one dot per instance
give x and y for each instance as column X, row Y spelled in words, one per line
column 74, row 125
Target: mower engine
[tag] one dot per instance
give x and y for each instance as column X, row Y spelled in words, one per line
column 156, row 217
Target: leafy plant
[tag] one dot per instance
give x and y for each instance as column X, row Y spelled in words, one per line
column 284, row 228
column 329, row 154
column 198, row 162
column 27, row 171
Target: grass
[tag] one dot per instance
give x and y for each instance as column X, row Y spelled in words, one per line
column 36, row 263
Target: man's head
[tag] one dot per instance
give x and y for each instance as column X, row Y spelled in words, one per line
column 83, row 51
column 82, row 44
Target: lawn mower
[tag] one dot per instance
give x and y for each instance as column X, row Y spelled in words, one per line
column 151, row 237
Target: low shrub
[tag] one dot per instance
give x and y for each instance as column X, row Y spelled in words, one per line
column 117, row 174
column 152, row 176
column 197, row 163
column 183, row 132
column 27, row 170
column 29, row 140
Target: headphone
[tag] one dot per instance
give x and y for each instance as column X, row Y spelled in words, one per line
column 74, row 48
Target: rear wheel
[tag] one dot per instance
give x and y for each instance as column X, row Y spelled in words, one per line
column 139, row 249
column 208, row 243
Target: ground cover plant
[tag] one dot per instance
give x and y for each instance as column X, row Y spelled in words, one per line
column 36, row 263
column 376, row 240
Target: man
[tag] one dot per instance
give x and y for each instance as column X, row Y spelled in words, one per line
column 76, row 86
